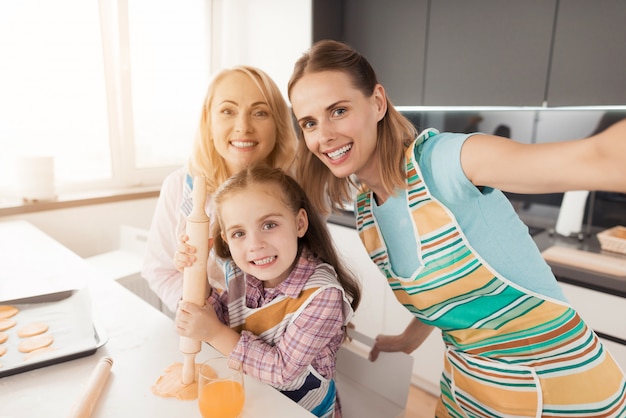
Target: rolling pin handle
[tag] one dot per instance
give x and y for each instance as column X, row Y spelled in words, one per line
column 189, row 368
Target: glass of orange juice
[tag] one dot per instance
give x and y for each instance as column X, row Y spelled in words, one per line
column 220, row 389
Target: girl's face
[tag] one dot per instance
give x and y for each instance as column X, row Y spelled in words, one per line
column 243, row 129
column 262, row 232
column 339, row 123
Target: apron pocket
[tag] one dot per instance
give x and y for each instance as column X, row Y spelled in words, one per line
column 485, row 388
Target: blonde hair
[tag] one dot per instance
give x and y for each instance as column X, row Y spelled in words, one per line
column 207, row 162
column 394, row 131
column 317, row 237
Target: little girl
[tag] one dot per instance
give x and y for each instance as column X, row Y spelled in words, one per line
column 288, row 299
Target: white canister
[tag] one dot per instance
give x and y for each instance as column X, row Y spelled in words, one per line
column 571, row 213
column 35, row 178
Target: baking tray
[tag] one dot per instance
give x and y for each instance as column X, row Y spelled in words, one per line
column 72, row 322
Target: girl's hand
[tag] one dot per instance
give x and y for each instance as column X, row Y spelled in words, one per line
column 185, row 254
column 195, row 322
column 202, row 324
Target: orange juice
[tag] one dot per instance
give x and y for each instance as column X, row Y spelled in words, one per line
column 221, row 399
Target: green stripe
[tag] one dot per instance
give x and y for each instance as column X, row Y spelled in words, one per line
column 428, row 238
column 434, row 252
column 449, row 320
column 518, row 311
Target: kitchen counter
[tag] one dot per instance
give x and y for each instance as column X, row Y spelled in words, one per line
column 141, row 341
column 544, row 239
column 585, row 277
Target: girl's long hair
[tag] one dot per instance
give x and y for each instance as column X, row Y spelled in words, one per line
column 395, row 132
column 207, row 162
column 317, row 237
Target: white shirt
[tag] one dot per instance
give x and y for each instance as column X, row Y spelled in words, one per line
column 168, row 223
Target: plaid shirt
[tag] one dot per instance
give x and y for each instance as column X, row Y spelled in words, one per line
column 312, row 339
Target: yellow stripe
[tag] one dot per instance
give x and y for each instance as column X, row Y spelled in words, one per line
column 273, row 314
column 520, row 402
column 430, row 217
column 599, row 384
column 371, row 239
column 427, row 298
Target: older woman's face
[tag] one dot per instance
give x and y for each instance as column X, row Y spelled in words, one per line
column 243, row 128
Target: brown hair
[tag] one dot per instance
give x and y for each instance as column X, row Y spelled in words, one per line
column 395, row 132
column 207, row 162
column 317, row 237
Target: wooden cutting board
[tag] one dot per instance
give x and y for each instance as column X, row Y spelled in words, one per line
column 602, row 263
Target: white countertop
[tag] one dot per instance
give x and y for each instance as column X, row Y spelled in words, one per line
column 141, row 341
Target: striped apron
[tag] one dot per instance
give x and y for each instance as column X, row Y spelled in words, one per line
column 509, row 352
column 269, row 322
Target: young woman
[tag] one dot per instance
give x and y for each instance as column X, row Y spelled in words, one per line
column 244, row 121
column 453, row 250
column 288, row 300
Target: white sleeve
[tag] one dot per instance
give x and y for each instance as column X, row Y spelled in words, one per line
column 167, row 225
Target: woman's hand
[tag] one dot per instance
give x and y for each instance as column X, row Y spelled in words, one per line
column 390, row 344
column 412, row 337
column 185, row 254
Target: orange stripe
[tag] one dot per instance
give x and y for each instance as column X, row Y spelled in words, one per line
column 527, row 341
column 443, row 239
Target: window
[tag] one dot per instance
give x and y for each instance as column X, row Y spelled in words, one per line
column 111, row 89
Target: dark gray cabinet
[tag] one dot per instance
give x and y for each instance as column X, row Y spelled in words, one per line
column 392, row 36
column 589, row 57
column 489, row 52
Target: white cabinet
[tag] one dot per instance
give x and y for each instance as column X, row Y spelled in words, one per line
column 369, row 317
column 604, row 313
column 380, row 312
column 428, row 358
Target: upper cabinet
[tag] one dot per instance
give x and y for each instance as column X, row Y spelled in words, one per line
column 589, row 58
column 392, row 36
column 489, row 52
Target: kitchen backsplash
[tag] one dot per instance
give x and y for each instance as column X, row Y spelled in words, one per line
column 534, row 125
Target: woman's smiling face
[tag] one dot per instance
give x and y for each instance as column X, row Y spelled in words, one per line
column 243, row 128
column 339, row 122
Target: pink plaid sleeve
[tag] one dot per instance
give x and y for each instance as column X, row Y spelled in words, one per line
column 219, row 300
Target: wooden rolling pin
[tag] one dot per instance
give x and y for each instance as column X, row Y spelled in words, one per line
column 85, row 404
column 195, row 277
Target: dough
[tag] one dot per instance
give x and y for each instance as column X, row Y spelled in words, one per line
column 34, row 328
column 7, row 311
column 6, row 324
column 170, row 384
column 3, row 337
column 38, row 352
column 33, row 343
column 3, row 350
